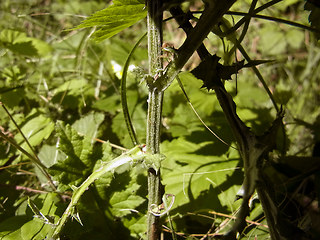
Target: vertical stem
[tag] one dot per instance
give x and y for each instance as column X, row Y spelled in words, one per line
column 154, row 21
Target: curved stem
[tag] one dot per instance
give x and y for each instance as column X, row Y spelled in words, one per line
column 132, row 156
column 123, row 91
column 274, row 19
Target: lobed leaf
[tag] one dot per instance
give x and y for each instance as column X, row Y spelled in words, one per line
column 78, row 161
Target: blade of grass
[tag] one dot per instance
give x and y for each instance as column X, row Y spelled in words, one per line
column 33, row 158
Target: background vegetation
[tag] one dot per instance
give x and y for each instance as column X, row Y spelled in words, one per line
column 62, row 90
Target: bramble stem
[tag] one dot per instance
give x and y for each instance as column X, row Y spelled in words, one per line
column 132, row 156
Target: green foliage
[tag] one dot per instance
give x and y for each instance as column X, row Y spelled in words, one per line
column 32, row 225
column 20, row 44
column 127, row 13
column 78, row 161
column 62, row 89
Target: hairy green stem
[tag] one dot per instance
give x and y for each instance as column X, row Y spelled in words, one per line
column 154, row 21
column 213, row 12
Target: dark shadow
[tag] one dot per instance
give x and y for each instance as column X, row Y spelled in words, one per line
column 192, row 221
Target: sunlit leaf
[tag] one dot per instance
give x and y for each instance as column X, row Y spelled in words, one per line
column 126, row 201
column 112, row 20
column 37, row 128
column 89, row 124
column 50, row 155
column 195, row 178
column 78, row 162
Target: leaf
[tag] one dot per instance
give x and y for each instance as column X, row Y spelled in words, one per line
column 207, row 71
column 314, row 7
column 295, row 38
column 37, row 128
column 124, row 196
column 282, row 96
column 138, row 116
column 272, row 41
column 79, row 157
column 137, row 226
column 50, row 155
column 110, row 104
column 73, row 85
column 35, row 228
column 199, row 179
column 13, row 74
column 115, row 18
column 211, row 72
column 10, row 227
column 113, row 196
column 119, row 186
column 12, row 98
column 89, row 124
column 19, row 43
column 125, row 201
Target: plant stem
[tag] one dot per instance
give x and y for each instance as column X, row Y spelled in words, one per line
column 132, row 156
column 154, row 21
column 210, row 17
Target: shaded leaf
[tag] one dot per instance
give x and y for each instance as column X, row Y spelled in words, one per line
column 126, row 201
column 35, row 228
column 207, row 71
column 109, row 104
column 13, row 74
column 10, row 228
column 211, row 72
column 282, row 96
column 314, row 7
column 12, row 98
column 19, row 43
column 137, row 226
